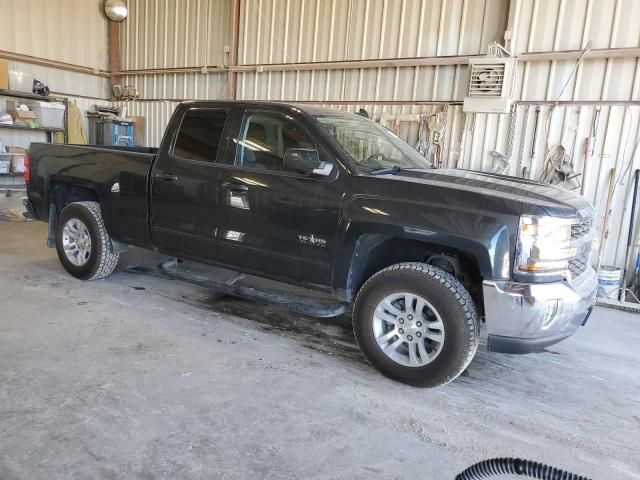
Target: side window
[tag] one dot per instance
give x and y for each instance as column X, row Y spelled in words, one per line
column 264, row 138
column 199, row 135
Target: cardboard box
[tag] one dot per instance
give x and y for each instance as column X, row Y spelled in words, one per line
column 17, row 163
column 16, row 156
column 138, row 131
column 20, row 117
column 4, row 75
column 24, row 117
column 16, row 150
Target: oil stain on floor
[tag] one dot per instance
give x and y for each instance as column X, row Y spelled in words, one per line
column 331, row 336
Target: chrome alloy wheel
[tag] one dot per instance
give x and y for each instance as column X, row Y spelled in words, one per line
column 76, row 242
column 408, row 329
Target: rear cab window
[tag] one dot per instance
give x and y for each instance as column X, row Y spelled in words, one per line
column 199, row 134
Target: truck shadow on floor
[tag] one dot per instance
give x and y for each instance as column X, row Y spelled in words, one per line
column 334, row 336
column 331, row 336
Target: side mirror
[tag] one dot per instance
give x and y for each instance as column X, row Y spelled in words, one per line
column 306, row 161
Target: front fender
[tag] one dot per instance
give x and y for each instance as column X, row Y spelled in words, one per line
column 371, row 221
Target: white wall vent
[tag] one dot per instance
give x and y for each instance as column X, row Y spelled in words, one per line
column 491, row 84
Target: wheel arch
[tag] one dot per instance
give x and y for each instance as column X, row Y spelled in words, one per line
column 373, row 252
column 61, row 194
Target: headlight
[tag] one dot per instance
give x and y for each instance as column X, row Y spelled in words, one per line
column 544, row 246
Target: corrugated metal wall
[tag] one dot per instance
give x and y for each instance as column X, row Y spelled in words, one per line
column 281, row 31
column 194, row 33
column 556, row 25
column 70, row 31
column 172, row 34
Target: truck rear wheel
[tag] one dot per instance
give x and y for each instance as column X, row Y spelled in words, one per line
column 83, row 244
column 416, row 324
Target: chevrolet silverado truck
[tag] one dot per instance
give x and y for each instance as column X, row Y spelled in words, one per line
column 333, row 201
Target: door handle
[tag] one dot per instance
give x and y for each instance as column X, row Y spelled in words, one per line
column 235, row 186
column 167, row 177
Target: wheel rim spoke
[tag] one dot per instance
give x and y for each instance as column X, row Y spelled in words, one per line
column 392, row 347
column 391, row 308
column 424, row 356
column 408, row 303
column 408, row 329
column 413, row 359
column 76, row 242
column 387, row 336
column 435, row 336
column 382, row 315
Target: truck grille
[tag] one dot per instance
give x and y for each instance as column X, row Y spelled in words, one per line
column 579, row 230
column 578, row 265
column 582, row 261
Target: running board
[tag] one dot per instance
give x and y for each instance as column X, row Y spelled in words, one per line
column 293, row 303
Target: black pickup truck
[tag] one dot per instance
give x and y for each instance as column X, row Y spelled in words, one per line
column 333, row 201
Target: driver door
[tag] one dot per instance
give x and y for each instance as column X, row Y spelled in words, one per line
column 273, row 220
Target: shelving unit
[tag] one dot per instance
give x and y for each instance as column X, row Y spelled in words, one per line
column 31, row 96
column 14, row 180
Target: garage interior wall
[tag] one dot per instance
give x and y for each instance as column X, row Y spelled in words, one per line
column 398, row 59
column 63, row 43
column 315, row 34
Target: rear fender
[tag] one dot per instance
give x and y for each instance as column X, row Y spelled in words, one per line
column 62, row 194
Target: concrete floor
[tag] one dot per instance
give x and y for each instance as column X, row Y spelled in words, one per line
column 141, row 377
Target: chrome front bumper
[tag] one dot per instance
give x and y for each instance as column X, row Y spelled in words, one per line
column 527, row 317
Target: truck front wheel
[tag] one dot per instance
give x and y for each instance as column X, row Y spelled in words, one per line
column 416, row 324
column 83, row 244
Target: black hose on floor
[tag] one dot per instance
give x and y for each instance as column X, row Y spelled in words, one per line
column 515, row 466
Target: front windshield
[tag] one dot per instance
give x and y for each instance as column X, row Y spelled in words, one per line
column 370, row 145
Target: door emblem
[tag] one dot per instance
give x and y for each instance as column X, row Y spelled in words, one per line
column 312, row 240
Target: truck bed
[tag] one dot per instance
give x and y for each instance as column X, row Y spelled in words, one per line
column 116, row 176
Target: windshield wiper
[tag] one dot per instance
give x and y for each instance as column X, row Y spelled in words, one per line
column 388, row 171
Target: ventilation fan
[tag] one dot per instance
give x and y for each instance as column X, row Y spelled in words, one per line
column 491, row 83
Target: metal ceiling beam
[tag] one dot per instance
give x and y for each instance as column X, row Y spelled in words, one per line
column 45, row 62
column 390, row 62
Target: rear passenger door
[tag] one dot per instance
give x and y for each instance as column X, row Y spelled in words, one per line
column 184, row 185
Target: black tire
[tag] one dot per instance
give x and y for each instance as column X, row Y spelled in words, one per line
column 102, row 259
column 448, row 297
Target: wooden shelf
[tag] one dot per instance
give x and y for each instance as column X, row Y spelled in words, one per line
column 37, row 129
column 30, row 96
